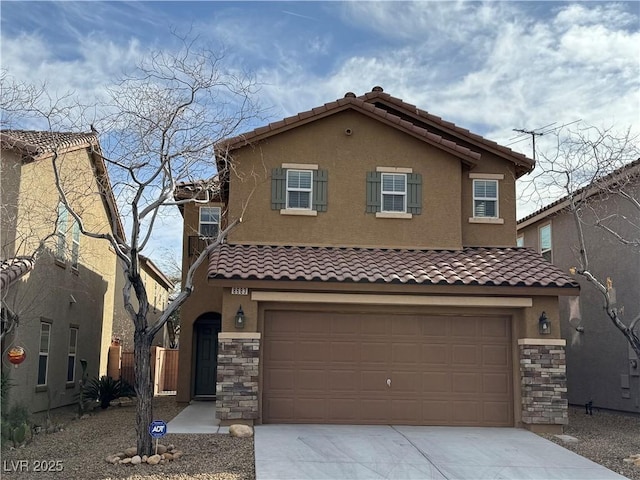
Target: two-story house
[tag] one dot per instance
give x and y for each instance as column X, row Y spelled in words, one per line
column 65, row 300
column 602, row 367
column 374, row 279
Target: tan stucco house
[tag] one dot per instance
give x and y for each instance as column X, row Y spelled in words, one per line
column 374, row 279
column 65, row 298
column 602, row 367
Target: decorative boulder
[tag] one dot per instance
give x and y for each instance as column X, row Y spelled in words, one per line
column 239, row 430
column 154, row 459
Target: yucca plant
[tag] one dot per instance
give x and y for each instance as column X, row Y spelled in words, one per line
column 103, row 390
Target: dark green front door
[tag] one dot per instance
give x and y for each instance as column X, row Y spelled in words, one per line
column 206, row 357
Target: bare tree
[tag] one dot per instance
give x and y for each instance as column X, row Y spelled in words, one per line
column 595, row 168
column 159, row 129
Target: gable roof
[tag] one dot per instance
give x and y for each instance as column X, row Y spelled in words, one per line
column 511, row 267
column 398, row 114
column 39, row 145
column 630, row 171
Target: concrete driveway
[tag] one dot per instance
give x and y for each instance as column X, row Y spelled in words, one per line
column 372, row 452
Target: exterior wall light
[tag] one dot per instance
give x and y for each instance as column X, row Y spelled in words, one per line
column 239, row 319
column 544, row 324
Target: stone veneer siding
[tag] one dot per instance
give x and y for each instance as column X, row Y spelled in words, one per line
column 237, row 381
column 544, row 381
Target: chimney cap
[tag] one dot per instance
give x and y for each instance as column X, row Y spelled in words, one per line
column 377, row 89
column 349, row 95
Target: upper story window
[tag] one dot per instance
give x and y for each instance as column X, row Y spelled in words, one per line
column 545, row 241
column 485, row 198
column 61, row 231
column 520, row 241
column 299, row 189
column 209, row 224
column 75, row 245
column 394, row 192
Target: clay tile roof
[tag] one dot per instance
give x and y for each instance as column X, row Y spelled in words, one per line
column 14, row 268
column 35, row 143
column 512, row 267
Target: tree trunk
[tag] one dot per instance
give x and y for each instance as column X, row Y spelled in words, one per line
column 144, row 391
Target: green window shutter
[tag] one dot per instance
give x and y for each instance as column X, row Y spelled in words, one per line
column 278, row 188
column 320, row 190
column 373, row 192
column 414, row 193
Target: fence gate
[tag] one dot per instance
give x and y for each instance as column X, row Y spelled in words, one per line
column 164, row 368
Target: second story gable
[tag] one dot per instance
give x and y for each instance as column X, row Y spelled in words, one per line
column 357, row 172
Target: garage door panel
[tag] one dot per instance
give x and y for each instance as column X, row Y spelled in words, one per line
column 495, row 355
column 466, row 383
column 436, row 382
column 333, row 367
column 465, row 355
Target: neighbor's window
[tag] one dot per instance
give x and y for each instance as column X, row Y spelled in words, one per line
column 75, row 245
column 209, row 222
column 545, row 241
column 299, row 189
column 520, row 241
column 61, row 231
column 485, row 198
column 394, row 192
column 43, row 359
column 71, row 359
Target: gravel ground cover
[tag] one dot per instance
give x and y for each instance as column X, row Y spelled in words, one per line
column 605, row 438
column 84, row 444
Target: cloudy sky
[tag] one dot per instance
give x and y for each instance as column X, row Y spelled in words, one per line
column 490, row 67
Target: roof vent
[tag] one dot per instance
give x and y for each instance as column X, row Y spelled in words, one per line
column 377, row 89
column 349, row 95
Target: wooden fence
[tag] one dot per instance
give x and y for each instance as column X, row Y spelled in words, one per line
column 164, row 368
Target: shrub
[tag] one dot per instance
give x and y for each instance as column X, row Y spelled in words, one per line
column 105, row 389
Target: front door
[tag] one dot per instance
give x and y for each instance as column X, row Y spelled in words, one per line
column 206, row 357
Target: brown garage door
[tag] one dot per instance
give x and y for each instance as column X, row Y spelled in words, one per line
column 382, row 369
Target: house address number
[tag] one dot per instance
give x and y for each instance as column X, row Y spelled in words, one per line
column 239, row 291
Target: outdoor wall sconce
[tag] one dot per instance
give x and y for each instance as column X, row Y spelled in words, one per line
column 544, row 324
column 239, row 320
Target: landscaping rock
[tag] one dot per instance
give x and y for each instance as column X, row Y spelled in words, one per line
column 136, row 460
column 241, row 431
column 154, row 459
column 130, row 452
column 161, row 449
column 125, row 461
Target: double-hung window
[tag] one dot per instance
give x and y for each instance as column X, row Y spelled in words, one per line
column 485, row 198
column 394, row 192
column 544, row 233
column 71, row 358
column 61, row 231
column 75, row 245
column 43, row 357
column 299, row 189
column 209, row 225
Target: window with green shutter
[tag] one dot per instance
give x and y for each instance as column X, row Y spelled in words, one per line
column 394, row 193
column 299, row 189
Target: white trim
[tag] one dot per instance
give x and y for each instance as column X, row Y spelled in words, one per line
column 487, row 176
column 370, row 299
column 394, row 215
column 495, row 199
column 238, row 335
column 393, row 193
column 302, row 212
column 300, row 166
column 495, row 221
column 542, row 341
column 200, row 222
column 394, row 169
column 300, row 190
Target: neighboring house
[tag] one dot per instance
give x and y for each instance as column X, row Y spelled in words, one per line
column 374, row 278
column 158, row 287
column 65, row 298
column 602, row 367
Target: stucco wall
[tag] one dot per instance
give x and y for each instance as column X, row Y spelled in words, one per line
column 67, row 297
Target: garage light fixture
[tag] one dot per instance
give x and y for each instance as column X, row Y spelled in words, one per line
column 544, row 324
column 239, row 319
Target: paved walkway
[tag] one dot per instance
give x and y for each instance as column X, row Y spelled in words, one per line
column 197, row 417
column 401, row 452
